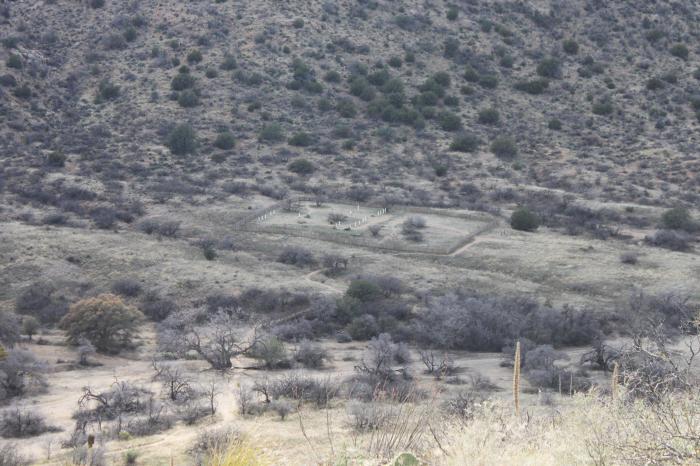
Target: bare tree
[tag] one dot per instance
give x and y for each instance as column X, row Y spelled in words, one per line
column 175, row 382
column 437, row 365
column 219, row 340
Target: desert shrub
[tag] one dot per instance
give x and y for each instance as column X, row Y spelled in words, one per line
column 127, row 287
column 504, row 147
column 298, row 256
column 9, row 329
column 554, row 124
column 465, row 142
column 488, row 81
column 10, row 456
column 271, row 352
column 364, row 290
column 105, row 321
column 629, row 257
column 30, row 325
column 363, row 327
column 271, row 133
column 361, row 88
column 452, row 13
column 104, row 217
column 114, row 41
column 297, row 386
column 95, row 4
column 346, row 108
column 7, row 80
column 678, row 218
column 182, row 140
column 524, row 220
column 21, row 423
column 534, row 86
column 332, row 77
column 449, row 121
column 481, row 323
column 156, row 307
column 670, row 239
column 570, row 46
column 549, row 68
column 22, row 92
column 301, row 139
column 603, row 107
column 167, row 228
column 301, row 167
column 680, row 51
column 655, row 84
column 488, row 116
column 188, row 98
column 21, row 374
column 195, row 56
column 225, row 141
column 182, row 81
column 310, row 355
column 42, row 301
column 14, row 61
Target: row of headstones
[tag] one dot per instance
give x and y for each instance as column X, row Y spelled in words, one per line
column 343, row 226
column 264, row 217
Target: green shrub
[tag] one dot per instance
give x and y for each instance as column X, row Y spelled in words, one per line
column 298, row 23
column 655, row 84
column 570, row 46
column 271, row 133
column 332, row 77
column 225, row 141
column 182, row 81
column 554, row 124
column 465, row 142
column 229, row 63
column 488, row 116
column 182, row 140
column 188, row 98
column 452, row 13
column 504, row 147
column 301, row 167
column 449, row 121
column 195, row 56
column 364, row 290
column 534, row 87
column 211, row 73
column 106, row 91
column 680, row 51
column 301, row 139
column 488, row 81
column 130, row 34
column 395, row 62
column 346, row 108
column 471, row 75
column 95, row 4
column 603, row 107
column 22, row 92
column 14, row 61
column 360, row 87
column 524, row 220
column 549, row 68
column 677, row 218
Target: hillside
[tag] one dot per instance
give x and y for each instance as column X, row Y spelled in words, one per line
column 373, row 94
column 331, row 232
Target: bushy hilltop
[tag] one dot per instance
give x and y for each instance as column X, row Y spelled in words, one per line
column 471, row 103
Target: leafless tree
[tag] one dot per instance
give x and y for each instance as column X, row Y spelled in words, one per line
column 175, row 381
column 437, row 365
column 219, row 340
